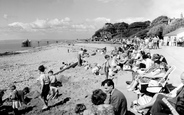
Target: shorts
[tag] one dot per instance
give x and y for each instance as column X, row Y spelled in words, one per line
column 53, row 84
column 45, row 91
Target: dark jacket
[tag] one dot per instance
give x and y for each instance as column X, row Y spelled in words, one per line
column 119, row 102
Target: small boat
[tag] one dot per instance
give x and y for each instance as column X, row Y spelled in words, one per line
column 26, row 43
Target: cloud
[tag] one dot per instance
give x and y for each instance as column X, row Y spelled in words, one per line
column 83, row 27
column 53, row 25
column 41, row 24
column 102, row 19
column 132, row 19
column 5, row 16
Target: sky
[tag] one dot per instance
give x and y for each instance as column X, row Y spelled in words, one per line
column 75, row 19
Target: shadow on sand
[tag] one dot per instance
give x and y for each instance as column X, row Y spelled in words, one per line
column 129, row 113
column 61, row 102
column 26, row 110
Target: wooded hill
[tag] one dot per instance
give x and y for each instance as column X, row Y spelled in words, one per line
column 158, row 27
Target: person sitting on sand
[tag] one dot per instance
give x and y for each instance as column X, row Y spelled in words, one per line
column 80, row 108
column 45, row 86
column 99, row 107
column 96, row 69
column 63, row 66
column 22, row 95
column 53, row 85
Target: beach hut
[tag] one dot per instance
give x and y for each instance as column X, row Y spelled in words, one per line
column 174, row 37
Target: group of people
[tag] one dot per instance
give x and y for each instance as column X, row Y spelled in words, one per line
column 48, row 85
column 48, row 90
column 146, row 68
column 105, row 101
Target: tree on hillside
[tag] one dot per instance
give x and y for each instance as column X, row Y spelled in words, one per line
column 141, row 25
column 156, row 30
column 97, row 33
column 135, row 27
column 160, row 20
column 141, row 34
column 175, row 24
column 121, row 27
column 109, row 28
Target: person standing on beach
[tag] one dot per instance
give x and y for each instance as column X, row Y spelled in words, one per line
column 106, row 66
column 45, row 86
column 80, row 56
column 53, row 85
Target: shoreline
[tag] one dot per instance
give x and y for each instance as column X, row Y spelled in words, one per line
column 30, row 49
column 11, row 46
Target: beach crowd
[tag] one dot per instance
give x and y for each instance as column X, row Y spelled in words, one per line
column 150, row 74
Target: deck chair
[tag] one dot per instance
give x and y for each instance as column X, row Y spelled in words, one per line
column 162, row 84
column 144, row 99
column 173, row 110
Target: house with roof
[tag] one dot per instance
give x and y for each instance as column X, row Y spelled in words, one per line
column 174, row 37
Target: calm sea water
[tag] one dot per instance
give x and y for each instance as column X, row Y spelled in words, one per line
column 16, row 45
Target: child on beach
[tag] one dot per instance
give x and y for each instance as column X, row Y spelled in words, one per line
column 15, row 100
column 45, row 86
column 80, row 108
column 96, row 69
column 53, row 85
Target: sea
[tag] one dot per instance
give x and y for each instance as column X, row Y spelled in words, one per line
column 16, row 45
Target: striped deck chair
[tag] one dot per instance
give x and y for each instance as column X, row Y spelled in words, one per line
column 173, row 110
column 162, row 83
column 144, row 99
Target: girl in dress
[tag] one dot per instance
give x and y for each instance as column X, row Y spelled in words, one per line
column 15, row 100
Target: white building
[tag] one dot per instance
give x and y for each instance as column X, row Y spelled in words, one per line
column 173, row 37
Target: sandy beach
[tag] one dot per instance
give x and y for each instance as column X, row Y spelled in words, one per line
column 78, row 83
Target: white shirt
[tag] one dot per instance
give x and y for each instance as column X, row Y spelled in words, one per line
column 44, row 79
column 148, row 63
column 52, row 79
